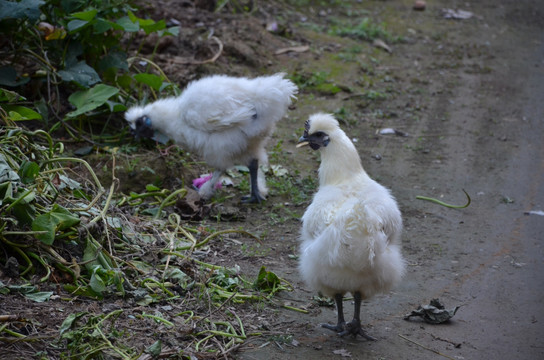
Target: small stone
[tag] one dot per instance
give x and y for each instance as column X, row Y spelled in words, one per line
column 420, row 5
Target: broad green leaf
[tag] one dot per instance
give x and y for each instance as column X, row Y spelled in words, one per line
column 57, row 219
column 115, row 106
column 21, row 113
column 69, row 321
column 155, row 349
column 87, row 100
column 151, row 80
column 114, row 59
column 23, row 212
column 142, row 22
column 125, row 81
column 153, row 27
column 97, row 284
column 8, row 77
column 85, row 15
column 128, row 25
column 29, row 171
column 24, row 9
column 40, row 296
column 172, row 31
column 74, row 25
column 80, row 73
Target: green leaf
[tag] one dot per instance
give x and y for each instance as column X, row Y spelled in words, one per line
column 24, row 9
column 8, row 77
column 155, row 349
column 153, row 27
column 69, row 321
column 151, row 187
column 29, row 171
column 96, row 283
column 114, row 59
column 40, row 296
column 20, row 113
column 172, row 31
column 267, row 280
column 24, row 212
column 115, row 106
column 125, row 81
column 58, row 219
column 87, row 100
column 151, row 80
column 85, row 15
column 8, row 95
column 76, row 24
column 80, row 73
column 128, row 25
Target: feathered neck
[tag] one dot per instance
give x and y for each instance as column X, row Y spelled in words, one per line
column 163, row 113
column 340, row 161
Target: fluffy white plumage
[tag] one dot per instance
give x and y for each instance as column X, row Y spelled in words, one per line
column 351, row 231
column 225, row 120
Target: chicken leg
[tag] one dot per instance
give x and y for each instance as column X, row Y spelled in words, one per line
column 341, row 324
column 354, row 326
column 255, row 195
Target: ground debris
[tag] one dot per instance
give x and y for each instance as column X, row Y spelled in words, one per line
column 434, row 313
column 456, row 14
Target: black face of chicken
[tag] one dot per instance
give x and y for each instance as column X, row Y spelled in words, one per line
column 142, row 128
column 316, row 140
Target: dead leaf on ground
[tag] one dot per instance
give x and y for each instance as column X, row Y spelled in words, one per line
column 434, row 313
column 382, row 45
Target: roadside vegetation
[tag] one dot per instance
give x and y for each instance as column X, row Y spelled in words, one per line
column 68, row 70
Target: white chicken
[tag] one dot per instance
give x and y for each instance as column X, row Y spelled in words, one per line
column 225, row 120
column 351, row 231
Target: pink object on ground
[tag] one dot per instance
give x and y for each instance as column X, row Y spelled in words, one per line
column 198, row 182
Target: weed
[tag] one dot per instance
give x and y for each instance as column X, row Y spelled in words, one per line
column 317, row 81
column 293, row 188
column 364, row 30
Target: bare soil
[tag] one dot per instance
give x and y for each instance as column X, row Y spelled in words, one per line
column 467, row 94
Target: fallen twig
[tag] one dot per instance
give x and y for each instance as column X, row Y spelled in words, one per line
column 425, row 347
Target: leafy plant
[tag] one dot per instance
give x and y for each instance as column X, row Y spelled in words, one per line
column 74, row 47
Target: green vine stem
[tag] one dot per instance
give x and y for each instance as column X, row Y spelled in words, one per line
column 436, row 201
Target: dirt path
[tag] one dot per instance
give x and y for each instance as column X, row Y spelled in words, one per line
column 479, row 128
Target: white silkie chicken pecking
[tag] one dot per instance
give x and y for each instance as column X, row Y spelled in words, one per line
column 351, row 231
column 225, row 120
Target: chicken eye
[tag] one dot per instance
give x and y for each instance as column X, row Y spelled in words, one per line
column 139, row 122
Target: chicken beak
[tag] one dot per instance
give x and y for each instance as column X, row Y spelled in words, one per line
column 302, row 141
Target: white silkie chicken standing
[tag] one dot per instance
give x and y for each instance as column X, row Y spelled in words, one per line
column 351, row 230
column 225, row 120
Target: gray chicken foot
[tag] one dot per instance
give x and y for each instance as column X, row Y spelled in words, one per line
column 255, row 195
column 354, row 326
